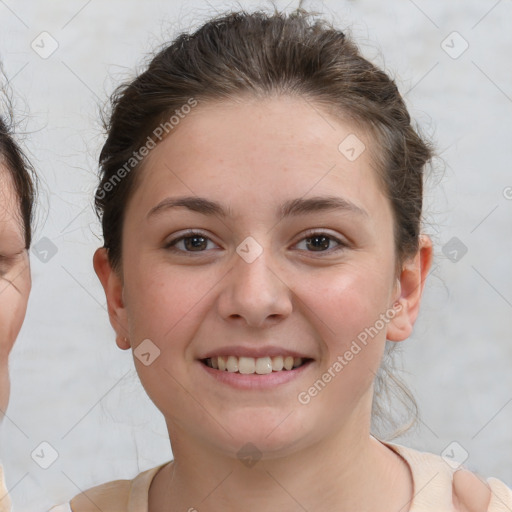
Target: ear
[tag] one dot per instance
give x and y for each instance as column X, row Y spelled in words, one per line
column 409, row 290
column 113, row 287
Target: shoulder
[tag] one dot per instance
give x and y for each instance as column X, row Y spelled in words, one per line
column 112, row 496
column 438, row 481
column 471, row 493
column 115, row 496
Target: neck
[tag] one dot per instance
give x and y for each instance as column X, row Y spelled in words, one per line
column 343, row 472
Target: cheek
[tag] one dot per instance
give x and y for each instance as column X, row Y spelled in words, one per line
column 166, row 307
column 351, row 307
column 163, row 303
column 348, row 301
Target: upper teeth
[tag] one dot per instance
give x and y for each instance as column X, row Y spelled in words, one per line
column 248, row 365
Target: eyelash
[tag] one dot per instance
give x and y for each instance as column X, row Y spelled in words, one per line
column 310, row 234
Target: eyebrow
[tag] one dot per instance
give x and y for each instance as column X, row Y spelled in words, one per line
column 292, row 207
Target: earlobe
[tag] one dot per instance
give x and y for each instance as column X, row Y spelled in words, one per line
column 410, row 287
column 113, row 288
column 123, row 343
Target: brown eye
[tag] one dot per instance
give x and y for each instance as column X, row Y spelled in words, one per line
column 195, row 243
column 190, row 242
column 318, row 243
column 321, row 242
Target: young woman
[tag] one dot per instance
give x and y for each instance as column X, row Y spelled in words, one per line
column 261, row 202
column 16, row 204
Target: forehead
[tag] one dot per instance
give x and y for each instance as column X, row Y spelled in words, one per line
column 278, row 128
column 252, row 151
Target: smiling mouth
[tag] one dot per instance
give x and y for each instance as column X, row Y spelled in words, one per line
column 252, row 365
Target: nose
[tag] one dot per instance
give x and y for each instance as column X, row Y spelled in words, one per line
column 255, row 293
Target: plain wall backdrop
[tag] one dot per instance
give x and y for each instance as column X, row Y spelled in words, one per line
column 72, row 387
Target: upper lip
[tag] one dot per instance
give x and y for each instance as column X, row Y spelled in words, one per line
column 255, row 352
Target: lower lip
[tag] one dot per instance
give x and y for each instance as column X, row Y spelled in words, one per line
column 255, row 381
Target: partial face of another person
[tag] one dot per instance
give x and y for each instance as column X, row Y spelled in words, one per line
column 300, row 262
column 15, row 279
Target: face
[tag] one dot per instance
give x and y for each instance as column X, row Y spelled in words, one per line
column 291, row 255
column 14, row 278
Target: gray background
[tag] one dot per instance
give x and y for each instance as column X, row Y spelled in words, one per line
column 74, row 389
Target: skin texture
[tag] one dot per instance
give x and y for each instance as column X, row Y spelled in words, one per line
column 251, row 156
column 15, row 281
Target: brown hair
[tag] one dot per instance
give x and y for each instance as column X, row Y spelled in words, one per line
column 22, row 174
column 265, row 54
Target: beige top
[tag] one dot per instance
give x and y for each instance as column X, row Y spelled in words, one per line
column 5, row 502
column 432, row 478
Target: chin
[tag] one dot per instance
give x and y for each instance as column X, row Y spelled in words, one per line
column 269, row 435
